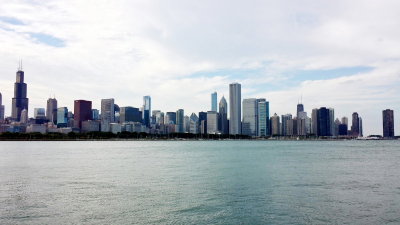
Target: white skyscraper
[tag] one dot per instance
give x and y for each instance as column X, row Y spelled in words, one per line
column 107, row 114
column 212, row 122
column 235, row 98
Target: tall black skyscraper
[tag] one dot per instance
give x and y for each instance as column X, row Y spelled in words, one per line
column 323, row 122
column 20, row 101
column 300, row 108
column 355, row 127
column 388, row 123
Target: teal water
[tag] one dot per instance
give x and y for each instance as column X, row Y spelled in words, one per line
column 200, row 182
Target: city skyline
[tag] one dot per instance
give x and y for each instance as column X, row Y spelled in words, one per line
column 245, row 116
column 278, row 50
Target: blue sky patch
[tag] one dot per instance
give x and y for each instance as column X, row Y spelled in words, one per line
column 11, row 20
column 48, row 39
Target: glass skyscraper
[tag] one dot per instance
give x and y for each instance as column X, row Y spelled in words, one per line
column 263, row 118
column 146, row 110
column 214, row 102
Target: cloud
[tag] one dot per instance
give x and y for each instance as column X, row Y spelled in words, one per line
column 341, row 54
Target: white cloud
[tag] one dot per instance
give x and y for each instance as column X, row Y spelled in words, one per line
column 128, row 49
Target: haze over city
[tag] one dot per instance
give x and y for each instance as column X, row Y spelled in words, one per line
column 180, row 52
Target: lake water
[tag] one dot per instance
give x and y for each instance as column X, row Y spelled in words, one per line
column 200, row 182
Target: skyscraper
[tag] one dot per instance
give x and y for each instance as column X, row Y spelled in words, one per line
column 235, row 98
column 1, row 108
column 275, row 124
column 95, row 114
column 20, row 100
column 82, row 112
column 62, row 117
column 39, row 113
column 286, row 119
column 223, row 116
column 202, row 122
column 250, row 117
column 24, row 116
column 170, row 118
column 107, row 114
column 300, row 108
column 212, row 122
column 388, row 123
column 314, row 122
column 51, row 110
column 129, row 114
column 179, row 121
column 263, row 128
column 214, row 102
column 323, row 123
column 146, row 110
column 194, row 124
column 355, row 127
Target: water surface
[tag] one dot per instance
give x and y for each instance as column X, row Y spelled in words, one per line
column 200, row 182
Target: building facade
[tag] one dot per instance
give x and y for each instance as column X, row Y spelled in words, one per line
column 388, row 123
column 235, row 98
column 223, row 125
column 263, row 123
column 51, row 110
column 212, row 122
column 20, row 100
column 82, row 112
column 214, row 99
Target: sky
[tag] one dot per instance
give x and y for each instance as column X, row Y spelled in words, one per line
column 340, row 54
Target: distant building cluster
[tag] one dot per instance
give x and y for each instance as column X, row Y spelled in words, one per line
column 250, row 116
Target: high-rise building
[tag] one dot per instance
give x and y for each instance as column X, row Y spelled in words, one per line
column 154, row 114
column 300, row 108
column 180, row 115
column 331, row 122
column 129, row 114
column 1, row 108
column 345, row 120
column 212, row 122
column 203, row 122
column 159, row 118
column 388, row 123
column 51, row 110
column 39, row 113
column 170, row 118
column 20, row 100
column 355, row 127
column 82, row 112
column 186, row 124
column 214, row 102
column 314, row 122
column 323, row 123
column 263, row 128
column 250, row 117
column 275, row 125
column 194, row 124
column 286, row 120
column 302, row 123
column 24, row 116
column 62, row 117
column 107, row 114
column 223, row 116
column 235, row 98
column 146, row 110
column 95, row 114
